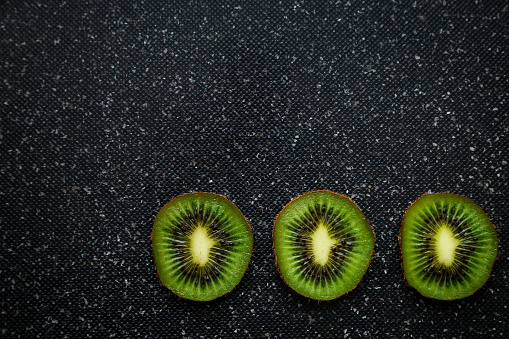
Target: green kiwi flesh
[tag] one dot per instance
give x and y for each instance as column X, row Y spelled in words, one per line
column 202, row 246
column 323, row 245
column 448, row 246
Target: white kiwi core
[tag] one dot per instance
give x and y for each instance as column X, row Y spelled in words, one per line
column 321, row 243
column 200, row 245
column 445, row 245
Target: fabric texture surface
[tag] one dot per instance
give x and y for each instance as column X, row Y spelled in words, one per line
column 110, row 110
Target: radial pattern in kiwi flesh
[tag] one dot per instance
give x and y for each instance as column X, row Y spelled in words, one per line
column 323, row 244
column 202, row 246
column 448, row 246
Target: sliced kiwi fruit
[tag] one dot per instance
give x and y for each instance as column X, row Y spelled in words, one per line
column 323, row 244
column 202, row 246
column 448, row 246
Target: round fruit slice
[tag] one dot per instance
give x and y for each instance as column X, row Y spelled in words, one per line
column 202, row 246
column 448, row 246
column 323, row 244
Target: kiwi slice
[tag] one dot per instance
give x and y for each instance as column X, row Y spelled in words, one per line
column 448, row 246
column 202, row 246
column 323, row 244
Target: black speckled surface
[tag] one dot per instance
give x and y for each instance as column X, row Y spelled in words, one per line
column 108, row 111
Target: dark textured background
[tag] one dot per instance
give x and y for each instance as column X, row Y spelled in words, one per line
column 109, row 111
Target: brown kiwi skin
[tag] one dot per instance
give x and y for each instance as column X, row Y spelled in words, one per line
column 274, row 245
column 152, row 238
column 401, row 250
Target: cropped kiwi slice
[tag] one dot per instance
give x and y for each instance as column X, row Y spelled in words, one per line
column 202, row 246
column 448, row 246
column 323, row 244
